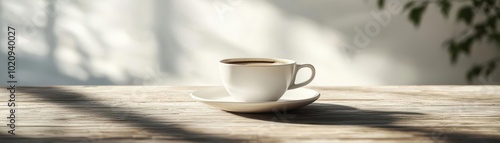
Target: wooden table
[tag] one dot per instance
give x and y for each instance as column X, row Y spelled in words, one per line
column 165, row 114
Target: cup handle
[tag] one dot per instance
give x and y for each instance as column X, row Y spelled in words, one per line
column 298, row 67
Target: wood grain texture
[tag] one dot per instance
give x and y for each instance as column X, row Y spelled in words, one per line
column 168, row 114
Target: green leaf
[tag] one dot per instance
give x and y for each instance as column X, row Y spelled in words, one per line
column 381, row 4
column 490, row 67
column 486, row 10
column 454, row 51
column 465, row 46
column 480, row 31
column 490, row 2
column 408, row 5
column 492, row 23
column 445, row 7
column 466, row 14
column 497, row 10
column 477, row 3
column 495, row 37
column 474, row 72
column 416, row 15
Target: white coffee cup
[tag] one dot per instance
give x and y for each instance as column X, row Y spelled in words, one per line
column 260, row 79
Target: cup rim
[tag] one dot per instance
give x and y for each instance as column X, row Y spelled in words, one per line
column 284, row 62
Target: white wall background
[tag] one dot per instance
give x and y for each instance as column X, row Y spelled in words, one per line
column 179, row 42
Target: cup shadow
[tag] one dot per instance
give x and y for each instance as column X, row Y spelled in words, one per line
column 338, row 115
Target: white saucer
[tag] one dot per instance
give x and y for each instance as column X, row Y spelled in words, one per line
column 219, row 98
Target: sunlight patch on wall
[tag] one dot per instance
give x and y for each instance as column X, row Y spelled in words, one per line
column 70, row 63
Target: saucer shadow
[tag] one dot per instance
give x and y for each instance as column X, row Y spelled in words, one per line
column 338, row 115
column 328, row 114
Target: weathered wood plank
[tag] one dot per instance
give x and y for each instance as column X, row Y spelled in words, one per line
column 167, row 113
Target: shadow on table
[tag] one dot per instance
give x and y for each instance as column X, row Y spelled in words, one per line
column 80, row 103
column 331, row 114
column 26, row 139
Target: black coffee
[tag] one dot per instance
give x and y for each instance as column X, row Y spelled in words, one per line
column 256, row 62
